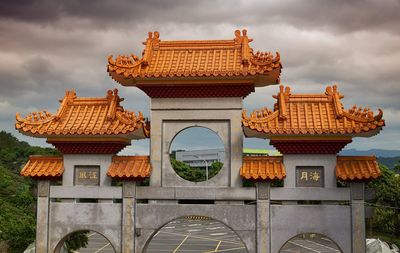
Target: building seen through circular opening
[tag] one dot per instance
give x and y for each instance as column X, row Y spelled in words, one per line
column 195, row 234
column 197, row 154
column 310, row 242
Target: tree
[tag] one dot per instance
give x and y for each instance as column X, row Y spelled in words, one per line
column 77, row 240
column 386, row 218
column 197, row 174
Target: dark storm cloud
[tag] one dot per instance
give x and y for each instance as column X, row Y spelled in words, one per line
column 339, row 16
column 47, row 47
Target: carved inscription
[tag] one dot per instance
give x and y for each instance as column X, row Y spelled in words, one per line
column 310, row 176
column 87, row 175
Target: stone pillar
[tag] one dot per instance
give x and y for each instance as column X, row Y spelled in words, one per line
column 42, row 219
column 263, row 218
column 128, row 216
column 357, row 217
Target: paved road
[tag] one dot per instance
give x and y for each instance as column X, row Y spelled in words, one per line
column 315, row 244
column 208, row 236
column 195, row 236
column 97, row 244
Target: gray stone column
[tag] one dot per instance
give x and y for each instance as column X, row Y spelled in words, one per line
column 42, row 219
column 128, row 216
column 263, row 218
column 357, row 217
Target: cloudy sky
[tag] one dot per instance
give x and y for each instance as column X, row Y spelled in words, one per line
column 49, row 46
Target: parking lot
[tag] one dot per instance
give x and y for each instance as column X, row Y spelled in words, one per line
column 196, row 236
column 310, row 244
column 97, row 244
column 202, row 235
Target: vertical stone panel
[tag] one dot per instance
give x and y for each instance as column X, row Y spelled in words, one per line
column 128, row 217
column 357, row 217
column 42, row 220
column 263, row 218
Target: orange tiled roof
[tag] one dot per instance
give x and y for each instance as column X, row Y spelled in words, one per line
column 312, row 114
column 130, row 167
column 357, row 168
column 263, row 168
column 197, row 58
column 84, row 117
column 43, row 166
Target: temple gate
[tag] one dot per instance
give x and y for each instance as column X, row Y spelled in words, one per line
column 202, row 84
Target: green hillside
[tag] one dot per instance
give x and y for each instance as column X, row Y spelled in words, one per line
column 17, row 201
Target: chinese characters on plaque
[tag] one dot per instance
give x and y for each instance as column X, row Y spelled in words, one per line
column 87, row 175
column 310, row 176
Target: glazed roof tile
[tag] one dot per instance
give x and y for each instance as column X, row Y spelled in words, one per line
column 130, row 167
column 85, row 117
column 349, row 168
column 43, row 167
column 311, row 114
column 263, row 168
column 197, row 58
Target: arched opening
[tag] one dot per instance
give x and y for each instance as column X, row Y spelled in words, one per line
column 197, row 154
column 84, row 241
column 310, row 242
column 196, row 234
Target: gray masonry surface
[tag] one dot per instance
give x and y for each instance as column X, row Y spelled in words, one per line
column 263, row 217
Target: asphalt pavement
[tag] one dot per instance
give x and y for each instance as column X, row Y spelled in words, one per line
column 187, row 235
column 97, row 244
column 311, row 243
column 201, row 235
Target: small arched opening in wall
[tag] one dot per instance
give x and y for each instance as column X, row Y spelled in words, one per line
column 310, row 242
column 197, row 153
column 84, row 241
column 197, row 234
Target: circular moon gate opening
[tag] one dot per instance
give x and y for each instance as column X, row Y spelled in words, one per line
column 84, row 241
column 310, row 242
column 195, row 234
column 197, row 154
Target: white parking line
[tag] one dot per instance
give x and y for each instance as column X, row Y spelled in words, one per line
column 102, row 248
column 183, row 241
column 224, row 250
column 304, row 247
column 335, row 250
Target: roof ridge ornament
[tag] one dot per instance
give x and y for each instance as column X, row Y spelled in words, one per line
column 337, row 104
column 282, row 98
column 151, row 43
column 68, row 99
column 243, row 41
column 114, row 100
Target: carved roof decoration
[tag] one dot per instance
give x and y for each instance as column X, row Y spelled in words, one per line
column 210, row 59
column 357, row 168
column 130, row 167
column 85, row 117
column 311, row 115
column 263, row 168
column 43, row 167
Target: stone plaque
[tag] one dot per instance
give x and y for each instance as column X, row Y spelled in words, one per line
column 87, row 175
column 310, row 176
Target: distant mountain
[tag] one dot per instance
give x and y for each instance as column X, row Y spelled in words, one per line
column 389, row 162
column 387, row 157
column 375, row 152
